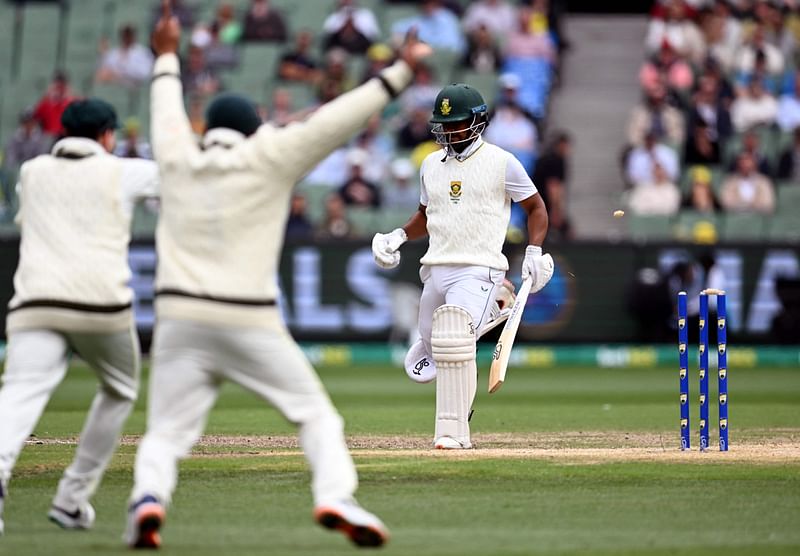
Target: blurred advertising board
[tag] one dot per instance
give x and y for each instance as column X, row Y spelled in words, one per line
column 334, row 291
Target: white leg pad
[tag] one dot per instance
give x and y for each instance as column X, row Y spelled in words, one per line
column 453, row 346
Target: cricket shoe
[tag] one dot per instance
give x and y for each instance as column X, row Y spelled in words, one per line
column 362, row 527
column 81, row 517
column 145, row 518
column 450, row 443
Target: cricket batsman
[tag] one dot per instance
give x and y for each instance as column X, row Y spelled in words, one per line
column 466, row 190
column 71, row 294
column 220, row 234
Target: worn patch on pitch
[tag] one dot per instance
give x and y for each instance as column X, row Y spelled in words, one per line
column 760, row 446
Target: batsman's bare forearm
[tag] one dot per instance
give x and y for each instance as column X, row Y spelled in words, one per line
column 537, row 219
column 417, row 225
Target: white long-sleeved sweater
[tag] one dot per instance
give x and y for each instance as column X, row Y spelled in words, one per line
column 75, row 216
column 224, row 205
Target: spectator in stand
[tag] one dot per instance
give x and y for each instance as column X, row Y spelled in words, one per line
column 230, row 30
column 417, row 129
column 357, row 191
column 658, row 197
column 298, row 226
column 402, row 192
column 550, row 177
column 679, row 30
column 724, row 90
column 282, row 110
column 198, row 79
column 130, row 64
column 700, row 148
column 331, row 172
column 348, row 38
column 263, row 23
column 50, row 107
column 709, row 109
column 422, row 91
column 379, row 56
column 666, row 67
column 529, row 40
column 641, row 163
column 299, row 64
column 509, row 85
column 219, row 55
column 754, row 107
column 772, row 83
column 335, row 79
column 757, row 43
column 747, row 190
column 335, row 224
column 351, row 27
column 511, row 130
column 723, row 34
column 379, row 147
column 483, row 54
column 655, row 116
column 751, row 144
column 25, row 143
column 701, row 197
column 435, row 25
column 496, row 16
column 131, row 145
column 789, row 107
column 789, row 163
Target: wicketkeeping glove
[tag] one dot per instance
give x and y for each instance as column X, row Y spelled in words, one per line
column 385, row 248
column 539, row 267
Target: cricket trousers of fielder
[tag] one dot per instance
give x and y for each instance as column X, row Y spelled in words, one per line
column 36, row 363
column 473, row 289
column 192, row 360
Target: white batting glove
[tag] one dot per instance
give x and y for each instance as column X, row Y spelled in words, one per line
column 385, row 247
column 539, row 267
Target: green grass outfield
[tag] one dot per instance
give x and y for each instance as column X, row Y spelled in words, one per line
column 568, row 461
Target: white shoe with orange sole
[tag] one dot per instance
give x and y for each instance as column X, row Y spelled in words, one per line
column 145, row 518
column 362, row 527
column 450, row 443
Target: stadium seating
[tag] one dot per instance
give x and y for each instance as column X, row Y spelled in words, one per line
column 744, row 227
column 644, row 228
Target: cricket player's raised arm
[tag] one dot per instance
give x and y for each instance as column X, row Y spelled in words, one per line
column 300, row 146
column 170, row 128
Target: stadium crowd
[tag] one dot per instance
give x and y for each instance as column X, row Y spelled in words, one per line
column 510, row 51
column 717, row 132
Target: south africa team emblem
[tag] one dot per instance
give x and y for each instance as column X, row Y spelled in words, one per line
column 455, row 191
column 445, row 108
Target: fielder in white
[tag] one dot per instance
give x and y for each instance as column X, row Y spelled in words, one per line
column 71, row 295
column 220, row 234
column 466, row 191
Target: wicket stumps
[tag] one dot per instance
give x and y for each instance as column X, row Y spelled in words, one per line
column 722, row 366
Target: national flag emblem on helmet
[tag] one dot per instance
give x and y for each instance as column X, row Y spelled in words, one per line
column 445, row 107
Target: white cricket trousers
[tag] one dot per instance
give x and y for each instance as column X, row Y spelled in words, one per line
column 36, row 363
column 473, row 288
column 191, row 361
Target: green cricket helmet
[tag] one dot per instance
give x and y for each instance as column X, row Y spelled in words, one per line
column 456, row 103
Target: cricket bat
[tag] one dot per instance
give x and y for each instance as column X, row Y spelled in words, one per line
column 502, row 351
